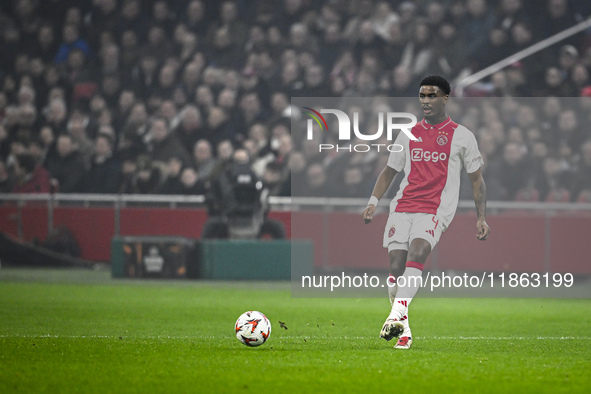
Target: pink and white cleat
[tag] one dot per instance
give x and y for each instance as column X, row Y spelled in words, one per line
column 403, row 343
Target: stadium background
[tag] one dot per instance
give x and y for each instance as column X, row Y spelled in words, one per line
column 99, row 74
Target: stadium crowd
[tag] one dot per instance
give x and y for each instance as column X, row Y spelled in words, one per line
column 156, row 96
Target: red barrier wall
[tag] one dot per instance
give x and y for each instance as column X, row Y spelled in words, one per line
column 529, row 242
column 522, row 242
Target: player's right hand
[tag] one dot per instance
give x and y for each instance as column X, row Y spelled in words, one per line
column 368, row 213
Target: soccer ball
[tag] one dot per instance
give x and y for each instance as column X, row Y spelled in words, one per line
column 253, row 328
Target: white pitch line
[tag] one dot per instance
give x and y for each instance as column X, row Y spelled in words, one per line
column 462, row 338
column 507, row 338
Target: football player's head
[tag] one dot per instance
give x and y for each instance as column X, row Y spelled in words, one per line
column 440, row 82
column 433, row 94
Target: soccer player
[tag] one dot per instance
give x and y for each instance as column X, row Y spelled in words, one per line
column 427, row 200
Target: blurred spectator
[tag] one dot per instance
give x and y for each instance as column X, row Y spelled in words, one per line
column 130, row 52
column 168, row 111
column 368, row 41
column 224, row 154
column 219, row 127
column 383, row 19
column 17, row 147
column 166, row 81
column 552, row 177
column 68, row 167
column 203, row 158
column 30, row 177
column 135, row 131
column 190, row 128
column 479, row 22
column 71, row 40
column 353, row 183
column 273, row 178
column 146, row 177
column 204, row 98
column 144, row 74
column 126, row 100
column 402, row 85
column 158, row 45
column 418, row 53
column 229, row 20
column 510, row 12
column 331, row 45
column 132, row 18
column 449, row 57
column 315, row 83
column 556, row 16
column 172, row 174
column 316, row 180
column 259, row 147
column 361, row 10
column 45, row 46
column 225, row 52
column 47, row 137
column 56, row 116
column 297, row 182
column 85, row 146
column 579, row 79
column 102, row 17
column 162, row 16
column 104, row 175
column 281, row 107
column 569, row 131
column 28, row 124
column 513, row 172
column 194, row 18
column 290, row 81
column 190, row 76
column 164, row 145
column 191, row 183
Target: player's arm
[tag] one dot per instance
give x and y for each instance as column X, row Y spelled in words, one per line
column 479, row 191
column 382, row 184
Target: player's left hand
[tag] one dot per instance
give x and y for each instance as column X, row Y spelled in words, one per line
column 483, row 230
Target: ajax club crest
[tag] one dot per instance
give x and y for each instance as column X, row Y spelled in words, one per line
column 442, row 140
column 391, row 232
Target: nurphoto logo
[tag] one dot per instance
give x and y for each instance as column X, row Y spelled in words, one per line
column 344, row 129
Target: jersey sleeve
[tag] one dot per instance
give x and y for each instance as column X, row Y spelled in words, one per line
column 396, row 160
column 471, row 156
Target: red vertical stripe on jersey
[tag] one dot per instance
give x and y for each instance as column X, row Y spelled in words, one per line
column 428, row 172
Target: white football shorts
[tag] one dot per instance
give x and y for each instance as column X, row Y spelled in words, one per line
column 403, row 227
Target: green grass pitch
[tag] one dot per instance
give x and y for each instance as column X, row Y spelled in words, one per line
column 67, row 331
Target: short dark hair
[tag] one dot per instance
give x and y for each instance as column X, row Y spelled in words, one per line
column 436, row 80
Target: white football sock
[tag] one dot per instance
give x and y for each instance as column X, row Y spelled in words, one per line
column 408, row 285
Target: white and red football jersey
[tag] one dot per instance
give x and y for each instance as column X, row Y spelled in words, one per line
column 432, row 166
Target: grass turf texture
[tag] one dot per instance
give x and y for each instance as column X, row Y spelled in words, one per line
column 79, row 331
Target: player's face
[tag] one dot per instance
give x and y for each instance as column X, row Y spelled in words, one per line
column 433, row 101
